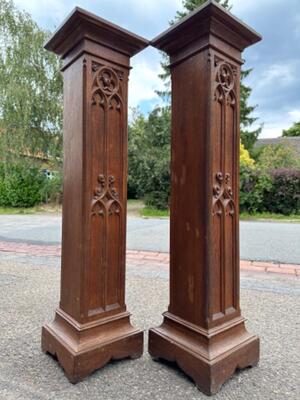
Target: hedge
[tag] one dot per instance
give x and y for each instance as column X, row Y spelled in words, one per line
column 21, row 185
column 275, row 191
column 284, row 194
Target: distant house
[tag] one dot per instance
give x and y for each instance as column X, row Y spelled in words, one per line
column 293, row 142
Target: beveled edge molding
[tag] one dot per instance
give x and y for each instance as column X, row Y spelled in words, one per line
column 93, row 324
column 64, row 341
column 81, row 24
column 210, row 18
column 200, row 351
column 207, row 333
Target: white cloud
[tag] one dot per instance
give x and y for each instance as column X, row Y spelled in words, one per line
column 54, row 10
column 297, row 25
column 295, row 115
column 279, row 75
column 272, row 130
column 154, row 6
column 274, row 123
column 155, row 13
column 144, row 80
column 242, row 7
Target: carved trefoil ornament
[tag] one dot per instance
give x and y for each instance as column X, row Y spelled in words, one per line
column 106, row 87
column 107, row 93
column 225, row 82
column 106, row 198
column 223, row 202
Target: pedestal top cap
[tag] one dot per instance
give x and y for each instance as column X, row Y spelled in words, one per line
column 210, row 18
column 81, row 24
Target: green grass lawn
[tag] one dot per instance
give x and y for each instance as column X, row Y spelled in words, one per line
column 11, row 210
column 269, row 217
column 153, row 213
column 44, row 208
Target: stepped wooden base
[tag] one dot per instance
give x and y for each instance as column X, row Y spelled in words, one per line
column 83, row 348
column 208, row 357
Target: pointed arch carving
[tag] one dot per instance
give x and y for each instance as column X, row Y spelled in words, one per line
column 224, row 181
column 106, row 198
column 225, row 94
column 225, row 85
column 223, row 203
column 107, row 213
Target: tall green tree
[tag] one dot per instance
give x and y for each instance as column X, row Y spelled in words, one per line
column 191, row 5
column 248, row 135
column 149, row 157
column 30, row 90
column 292, row 131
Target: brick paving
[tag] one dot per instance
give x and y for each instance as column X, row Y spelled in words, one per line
column 144, row 258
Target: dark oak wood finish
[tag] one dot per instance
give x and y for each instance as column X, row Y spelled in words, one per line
column 203, row 330
column 92, row 325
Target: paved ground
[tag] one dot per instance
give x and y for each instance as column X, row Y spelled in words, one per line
column 265, row 241
column 29, row 294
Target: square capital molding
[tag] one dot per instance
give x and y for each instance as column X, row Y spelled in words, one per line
column 206, row 23
column 82, row 25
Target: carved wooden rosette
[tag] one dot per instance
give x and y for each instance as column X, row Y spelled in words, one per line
column 203, row 330
column 92, row 325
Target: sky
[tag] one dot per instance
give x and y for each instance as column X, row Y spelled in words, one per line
column 275, row 79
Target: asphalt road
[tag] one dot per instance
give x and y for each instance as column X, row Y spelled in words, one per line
column 265, row 241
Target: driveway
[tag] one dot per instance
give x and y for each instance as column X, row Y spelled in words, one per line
column 264, row 241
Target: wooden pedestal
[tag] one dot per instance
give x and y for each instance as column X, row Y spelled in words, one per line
column 91, row 325
column 203, row 330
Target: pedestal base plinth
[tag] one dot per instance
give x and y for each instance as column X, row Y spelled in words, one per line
column 83, row 348
column 209, row 357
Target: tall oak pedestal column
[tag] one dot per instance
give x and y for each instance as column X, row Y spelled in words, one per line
column 92, row 325
column 203, row 330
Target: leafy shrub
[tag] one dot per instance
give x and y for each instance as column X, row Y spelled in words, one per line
column 156, row 186
column 253, row 185
column 275, row 191
column 21, row 185
column 157, row 200
column 136, row 149
column 293, row 131
column 284, row 194
column 52, row 190
column 149, row 158
column 245, row 159
column 278, row 156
